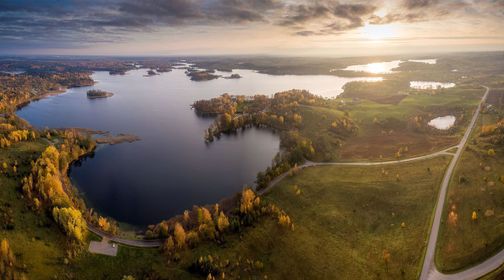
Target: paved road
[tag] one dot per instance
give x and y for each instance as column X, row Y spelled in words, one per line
column 371, row 163
column 429, row 270
column 124, row 241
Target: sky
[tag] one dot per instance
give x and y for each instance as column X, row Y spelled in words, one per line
column 272, row 27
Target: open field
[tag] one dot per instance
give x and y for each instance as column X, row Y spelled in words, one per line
column 384, row 129
column 345, row 223
column 477, row 187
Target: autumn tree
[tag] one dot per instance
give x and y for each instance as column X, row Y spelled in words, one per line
column 192, row 238
column 71, row 221
column 163, row 229
column 6, row 260
column 222, row 222
column 169, row 244
column 180, row 235
column 285, row 221
column 247, row 201
column 474, row 216
column 104, row 223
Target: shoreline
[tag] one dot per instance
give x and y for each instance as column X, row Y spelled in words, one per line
column 71, row 189
column 23, row 104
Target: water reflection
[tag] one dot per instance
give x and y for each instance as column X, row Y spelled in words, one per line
column 443, row 123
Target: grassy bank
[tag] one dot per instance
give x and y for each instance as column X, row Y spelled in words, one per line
column 476, row 187
column 384, row 129
column 36, row 241
column 349, row 224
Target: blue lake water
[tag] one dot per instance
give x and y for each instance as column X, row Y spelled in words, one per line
column 171, row 168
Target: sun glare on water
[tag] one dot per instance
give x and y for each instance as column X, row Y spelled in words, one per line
column 376, row 68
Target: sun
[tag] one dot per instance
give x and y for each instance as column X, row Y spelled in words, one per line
column 377, row 32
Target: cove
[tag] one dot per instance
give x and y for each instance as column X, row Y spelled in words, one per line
column 171, row 168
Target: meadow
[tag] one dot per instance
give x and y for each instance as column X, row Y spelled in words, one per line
column 476, row 187
column 350, row 223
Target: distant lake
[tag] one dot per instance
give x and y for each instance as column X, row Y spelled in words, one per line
column 430, row 85
column 171, row 168
column 383, row 67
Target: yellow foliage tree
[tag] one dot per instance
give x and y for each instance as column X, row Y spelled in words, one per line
column 192, row 238
column 104, row 223
column 6, row 260
column 72, row 222
column 246, row 202
column 206, row 216
column 180, row 235
column 169, row 245
column 474, row 216
column 222, row 222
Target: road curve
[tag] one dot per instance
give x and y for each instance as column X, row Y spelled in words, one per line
column 429, row 270
column 129, row 242
column 307, row 163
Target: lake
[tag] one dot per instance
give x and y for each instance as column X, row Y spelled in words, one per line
column 430, row 85
column 383, row 67
column 171, row 168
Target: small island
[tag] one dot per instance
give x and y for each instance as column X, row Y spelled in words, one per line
column 151, row 73
column 95, row 93
column 205, row 75
column 233, row 76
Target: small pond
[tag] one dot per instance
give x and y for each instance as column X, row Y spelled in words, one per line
column 443, row 123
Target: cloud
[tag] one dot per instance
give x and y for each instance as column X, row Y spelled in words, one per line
column 411, row 11
column 415, row 4
column 326, row 17
column 73, row 23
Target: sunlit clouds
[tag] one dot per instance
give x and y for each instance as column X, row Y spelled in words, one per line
column 324, row 27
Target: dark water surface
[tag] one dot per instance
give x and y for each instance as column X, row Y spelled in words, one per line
column 171, row 168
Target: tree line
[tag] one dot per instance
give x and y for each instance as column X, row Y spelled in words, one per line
column 211, row 223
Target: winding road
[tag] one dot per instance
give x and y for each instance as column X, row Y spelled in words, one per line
column 445, row 152
column 429, row 270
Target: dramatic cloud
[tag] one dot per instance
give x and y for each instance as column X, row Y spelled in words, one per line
column 413, row 4
column 420, row 10
column 72, row 23
column 95, row 21
column 329, row 17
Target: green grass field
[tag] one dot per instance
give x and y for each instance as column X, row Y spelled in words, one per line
column 345, row 219
column 476, row 186
column 385, row 128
